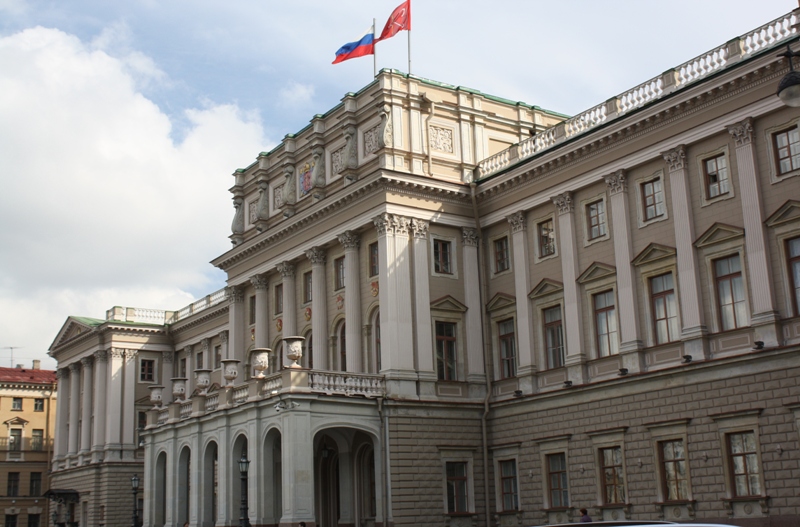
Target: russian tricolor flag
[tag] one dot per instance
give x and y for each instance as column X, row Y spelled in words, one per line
column 363, row 46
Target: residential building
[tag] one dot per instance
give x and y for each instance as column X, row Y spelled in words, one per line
column 447, row 308
column 28, row 410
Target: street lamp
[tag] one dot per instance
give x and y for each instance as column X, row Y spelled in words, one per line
column 244, row 464
column 55, row 515
column 789, row 87
column 135, row 487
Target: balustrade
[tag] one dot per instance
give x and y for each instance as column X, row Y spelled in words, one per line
column 343, row 383
column 186, row 410
column 212, row 401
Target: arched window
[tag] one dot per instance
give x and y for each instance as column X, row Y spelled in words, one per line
column 342, row 348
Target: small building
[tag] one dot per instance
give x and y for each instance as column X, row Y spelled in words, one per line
column 27, row 412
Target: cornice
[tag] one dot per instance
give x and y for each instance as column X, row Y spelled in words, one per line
column 616, row 134
column 456, row 193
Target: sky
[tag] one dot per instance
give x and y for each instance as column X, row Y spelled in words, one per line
column 122, row 122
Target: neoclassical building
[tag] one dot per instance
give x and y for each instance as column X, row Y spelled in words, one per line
column 448, row 308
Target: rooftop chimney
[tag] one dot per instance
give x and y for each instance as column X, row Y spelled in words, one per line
column 37, row 364
column 19, row 366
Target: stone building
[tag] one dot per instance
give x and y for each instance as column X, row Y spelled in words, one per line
column 447, row 308
column 27, row 411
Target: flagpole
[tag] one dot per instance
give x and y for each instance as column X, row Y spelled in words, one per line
column 374, row 53
column 409, row 37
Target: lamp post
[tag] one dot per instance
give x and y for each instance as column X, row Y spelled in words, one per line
column 55, row 515
column 244, row 464
column 135, row 487
column 789, row 87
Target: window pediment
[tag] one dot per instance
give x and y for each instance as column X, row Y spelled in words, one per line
column 788, row 212
column 16, row 421
column 596, row 271
column 653, row 253
column 448, row 303
column 546, row 287
column 719, row 233
column 499, row 301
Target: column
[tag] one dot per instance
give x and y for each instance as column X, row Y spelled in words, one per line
column 693, row 329
column 630, row 343
column 74, row 408
column 472, row 299
column 764, row 317
column 297, row 465
column 129, row 406
column 261, row 284
column 101, row 392
column 167, row 373
column 62, row 417
column 352, row 301
column 86, row 408
column 397, row 358
column 422, row 303
column 114, row 406
column 187, row 353
column 526, row 358
column 287, row 270
column 236, row 343
column 319, row 308
column 573, row 330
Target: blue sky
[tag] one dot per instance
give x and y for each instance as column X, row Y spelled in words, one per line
column 121, row 122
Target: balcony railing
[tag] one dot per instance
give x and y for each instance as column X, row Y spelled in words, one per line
column 766, row 36
column 26, row 444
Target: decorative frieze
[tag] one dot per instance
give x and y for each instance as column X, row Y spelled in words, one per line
column 419, row 228
column 441, row 139
column 675, row 158
column 517, row 221
column 564, row 203
column 469, row 236
column 259, row 281
column 349, row 240
column 616, row 182
column 317, row 255
column 392, row 224
column 286, row 269
column 277, row 197
column 742, row 132
column 385, row 131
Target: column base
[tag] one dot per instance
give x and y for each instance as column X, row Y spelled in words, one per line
column 404, row 388
column 767, row 328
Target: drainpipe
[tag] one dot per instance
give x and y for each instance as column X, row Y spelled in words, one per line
column 385, row 451
column 486, row 359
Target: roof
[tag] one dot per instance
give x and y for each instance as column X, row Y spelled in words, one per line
column 27, row 375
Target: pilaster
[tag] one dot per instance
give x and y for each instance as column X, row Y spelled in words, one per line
column 100, row 395
column 526, row 359
column 87, row 364
column 470, row 239
column 114, row 406
column 61, row 439
column 297, row 465
column 237, row 347
column 74, row 409
column 422, row 302
column 352, row 301
column 261, row 285
column 129, row 406
column 319, row 308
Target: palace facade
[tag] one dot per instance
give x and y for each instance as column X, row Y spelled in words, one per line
column 447, row 308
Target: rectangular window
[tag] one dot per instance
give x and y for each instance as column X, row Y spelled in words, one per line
column 251, row 304
column 730, row 292
column 373, row 259
column 652, row 199
column 307, row 287
column 673, row 470
column 596, row 219
column 279, row 299
column 442, row 261
column 613, row 478
column 37, row 439
column 716, row 173
column 457, row 486
column 16, row 404
column 338, row 273
column 217, row 357
column 11, row 520
column 605, row 317
column 787, row 150
column 554, row 337
column 15, row 439
column 200, row 360
column 36, row 484
column 508, row 348
column 743, row 454
column 547, row 238
column 182, row 367
column 13, row 484
column 665, row 311
column 141, row 420
column 33, row 520
column 446, row 351
column 557, row 480
column 793, row 255
column 508, row 484
column 147, row 370
column 501, row 260
column 38, row 405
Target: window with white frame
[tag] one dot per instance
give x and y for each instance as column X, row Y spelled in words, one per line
column 652, row 199
column 741, row 450
column 612, row 474
column 715, row 172
column 546, row 238
column 446, row 351
column 553, row 452
column 793, row 264
column 373, row 259
column 442, row 256
column 147, row 370
column 16, row 404
column 595, row 219
column 509, row 500
column 338, row 273
column 786, row 145
column 278, row 297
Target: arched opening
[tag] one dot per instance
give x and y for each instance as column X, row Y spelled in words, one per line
column 239, row 448
column 183, row 484
column 308, row 351
column 272, row 487
column 209, row 489
column 160, row 503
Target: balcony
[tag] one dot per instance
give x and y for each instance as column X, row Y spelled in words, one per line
column 26, row 449
column 288, row 381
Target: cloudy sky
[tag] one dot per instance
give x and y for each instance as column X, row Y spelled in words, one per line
column 121, row 122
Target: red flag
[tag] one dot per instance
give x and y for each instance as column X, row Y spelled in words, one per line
column 399, row 20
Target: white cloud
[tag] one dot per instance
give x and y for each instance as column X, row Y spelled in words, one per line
column 296, row 94
column 100, row 207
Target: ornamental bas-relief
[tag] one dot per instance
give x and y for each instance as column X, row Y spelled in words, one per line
column 441, row 139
